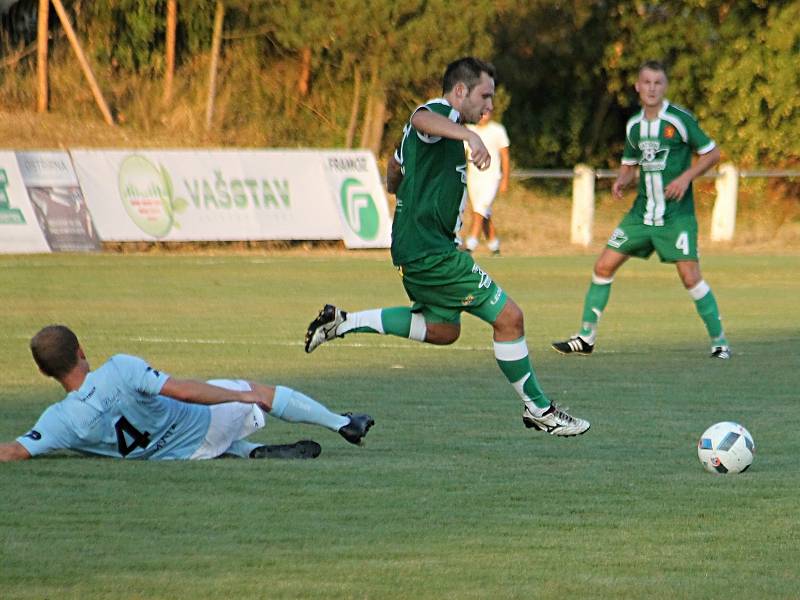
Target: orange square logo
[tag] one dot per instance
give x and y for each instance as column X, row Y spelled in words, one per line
column 669, row 132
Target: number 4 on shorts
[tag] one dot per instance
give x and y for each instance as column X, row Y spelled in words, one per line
column 682, row 243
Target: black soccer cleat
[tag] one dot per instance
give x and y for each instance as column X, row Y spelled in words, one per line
column 574, row 345
column 301, row 449
column 323, row 328
column 357, row 428
column 721, row 352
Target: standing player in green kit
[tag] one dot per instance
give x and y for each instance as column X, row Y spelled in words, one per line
column 428, row 175
column 659, row 141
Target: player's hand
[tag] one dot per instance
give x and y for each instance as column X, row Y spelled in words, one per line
column 503, row 186
column 677, row 187
column 478, row 153
column 260, row 395
column 617, row 189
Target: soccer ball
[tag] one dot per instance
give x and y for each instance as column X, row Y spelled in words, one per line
column 726, row 448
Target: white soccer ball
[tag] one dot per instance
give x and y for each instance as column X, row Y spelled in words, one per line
column 726, row 448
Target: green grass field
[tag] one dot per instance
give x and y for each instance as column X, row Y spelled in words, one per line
column 451, row 497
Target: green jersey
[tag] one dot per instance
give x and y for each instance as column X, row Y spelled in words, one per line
column 663, row 150
column 432, row 194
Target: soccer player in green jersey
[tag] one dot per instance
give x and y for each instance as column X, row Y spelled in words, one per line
column 659, row 141
column 428, row 174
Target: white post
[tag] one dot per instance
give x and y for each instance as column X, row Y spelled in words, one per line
column 723, row 217
column 582, row 205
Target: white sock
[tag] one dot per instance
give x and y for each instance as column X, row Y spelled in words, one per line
column 472, row 243
column 362, row 318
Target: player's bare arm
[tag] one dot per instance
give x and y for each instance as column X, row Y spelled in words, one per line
column 626, row 174
column 394, row 175
column 678, row 186
column 13, row 451
column 505, row 168
column 434, row 124
column 198, row 392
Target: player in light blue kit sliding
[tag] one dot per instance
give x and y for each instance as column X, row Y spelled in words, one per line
column 128, row 409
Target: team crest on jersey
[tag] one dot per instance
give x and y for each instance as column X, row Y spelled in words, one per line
column 669, row 132
column 618, row 237
column 654, row 157
column 468, row 300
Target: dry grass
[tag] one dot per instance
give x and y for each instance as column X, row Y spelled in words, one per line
column 529, row 221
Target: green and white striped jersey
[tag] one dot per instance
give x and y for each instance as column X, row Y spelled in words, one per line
column 433, row 194
column 663, row 150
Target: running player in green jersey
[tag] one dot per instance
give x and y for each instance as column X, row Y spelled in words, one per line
column 428, row 174
column 127, row 409
column 659, row 141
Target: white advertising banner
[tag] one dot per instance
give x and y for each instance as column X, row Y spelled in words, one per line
column 19, row 229
column 57, row 201
column 358, row 194
column 198, row 195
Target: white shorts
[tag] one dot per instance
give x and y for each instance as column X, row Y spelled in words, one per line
column 482, row 194
column 230, row 421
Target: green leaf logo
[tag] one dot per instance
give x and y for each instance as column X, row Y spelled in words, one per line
column 146, row 193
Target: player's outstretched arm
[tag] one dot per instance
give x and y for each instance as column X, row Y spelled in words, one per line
column 199, row 392
column 13, row 451
column 431, row 123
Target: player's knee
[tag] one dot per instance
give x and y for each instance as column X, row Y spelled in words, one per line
column 603, row 271
column 442, row 335
column 511, row 321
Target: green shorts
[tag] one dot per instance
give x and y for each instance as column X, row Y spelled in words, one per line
column 673, row 241
column 442, row 286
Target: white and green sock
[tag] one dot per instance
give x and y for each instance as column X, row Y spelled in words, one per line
column 594, row 305
column 706, row 305
column 398, row 321
column 515, row 363
column 295, row 407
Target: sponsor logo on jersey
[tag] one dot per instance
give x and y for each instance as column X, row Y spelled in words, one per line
column 654, row 158
column 34, row 435
column 669, row 132
column 468, row 300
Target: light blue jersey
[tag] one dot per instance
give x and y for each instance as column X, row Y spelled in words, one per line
column 118, row 412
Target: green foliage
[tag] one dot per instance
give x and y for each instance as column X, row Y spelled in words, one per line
column 754, row 93
column 566, row 68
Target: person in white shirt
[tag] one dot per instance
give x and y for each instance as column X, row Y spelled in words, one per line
column 483, row 185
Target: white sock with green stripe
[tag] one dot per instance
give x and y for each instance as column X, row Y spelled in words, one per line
column 515, row 363
column 399, row 321
column 707, row 308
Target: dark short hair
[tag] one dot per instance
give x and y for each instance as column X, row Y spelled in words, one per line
column 653, row 65
column 55, row 350
column 467, row 70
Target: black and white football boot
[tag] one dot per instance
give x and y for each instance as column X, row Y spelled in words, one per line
column 323, row 328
